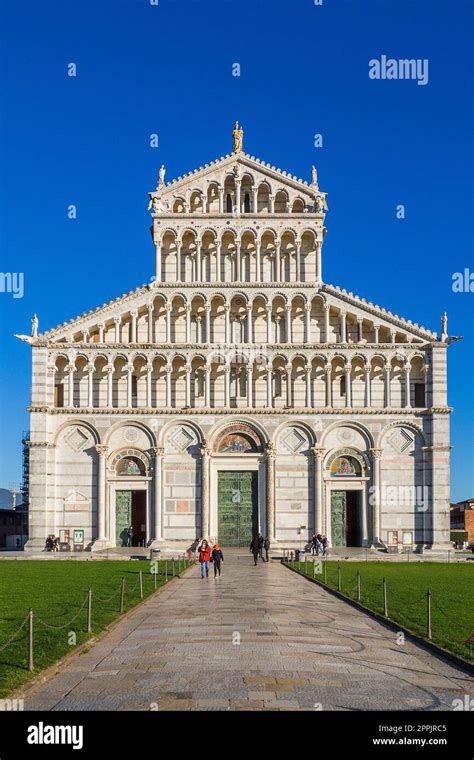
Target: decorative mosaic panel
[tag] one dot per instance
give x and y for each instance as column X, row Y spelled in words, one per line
column 401, row 440
column 77, row 440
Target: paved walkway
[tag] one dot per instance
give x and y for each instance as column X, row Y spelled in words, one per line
column 257, row 639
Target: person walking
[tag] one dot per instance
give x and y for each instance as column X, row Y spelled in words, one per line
column 129, row 535
column 216, row 558
column 260, row 546
column 255, row 548
column 313, row 544
column 319, row 544
column 325, row 546
column 266, row 546
column 204, row 556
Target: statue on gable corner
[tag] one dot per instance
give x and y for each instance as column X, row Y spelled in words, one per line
column 34, row 326
column 161, row 176
column 314, row 177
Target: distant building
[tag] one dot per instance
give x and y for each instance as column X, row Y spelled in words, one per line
column 462, row 517
column 13, row 528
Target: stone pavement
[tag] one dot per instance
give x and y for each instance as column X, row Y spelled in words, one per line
column 258, row 638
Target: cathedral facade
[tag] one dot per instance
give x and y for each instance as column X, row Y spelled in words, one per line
column 238, row 391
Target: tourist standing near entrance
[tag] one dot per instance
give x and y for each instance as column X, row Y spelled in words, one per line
column 204, row 556
column 216, row 558
column 255, row 548
column 266, row 546
column 129, row 535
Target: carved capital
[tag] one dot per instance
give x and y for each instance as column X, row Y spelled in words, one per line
column 158, row 450
column 101, row 450
column 376, row 453
column 318, row 452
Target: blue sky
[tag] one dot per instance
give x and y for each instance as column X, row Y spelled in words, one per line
column 167, row 69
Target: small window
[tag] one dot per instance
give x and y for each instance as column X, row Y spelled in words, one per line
column 59, row 395
column 420, row 395
column 343, row 386
column 228, row 203
column 134, row 389
column 247, row 203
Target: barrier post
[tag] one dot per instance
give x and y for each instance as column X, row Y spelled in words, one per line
column 30, row 639
column 89, row 611
column 428, row 614
column 385, row 607
column 122, row 595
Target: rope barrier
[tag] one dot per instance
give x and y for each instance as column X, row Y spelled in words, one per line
column 13, row 637
column 108, row 599
column 65, row 625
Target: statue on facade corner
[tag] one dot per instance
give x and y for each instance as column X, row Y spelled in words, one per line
column 444, row 325
column 161, row 176
column 34, row 326
column 314, row 177
column 238, row 135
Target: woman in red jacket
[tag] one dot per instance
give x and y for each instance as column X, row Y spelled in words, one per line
column 204, row 556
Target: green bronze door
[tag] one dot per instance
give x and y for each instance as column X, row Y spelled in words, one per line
column 237, row 499
column 338, row 518
column 123, row 516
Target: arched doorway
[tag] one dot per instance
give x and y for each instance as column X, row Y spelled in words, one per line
column 346, row 472
column 129, row 479
column 237, row 484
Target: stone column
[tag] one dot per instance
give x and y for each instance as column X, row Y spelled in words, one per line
column 249, row 323
column 168, row 322
column 110, row 371
column 221, row 200
column 129, row 368
column 205, row 506
column 318, row 454
column 347, row 370
column 269, row 323
column 368, row 400
column 117, row 321
column 308, row 386
column 133, row 326
column 157, row 496
column 150, row 323
column 319, row 273
column 101, row 327
column 343, row 327
column 407, row 386
column 278, row 261
column 101, row 464
column 298, row 260
column 393, row 336
column 359, row 329
column 188, row 323
column 188, row 370
column 376, row 333
column 288, row 323
column 208, row 322
column 178, row 261
column 237, row 196
column 254, row 199
column 70, row 369
column 269, row 388
column 90, row 387
column 307, row 314
column 218, row 261
column 85, row 335
column 288, row 387
column 158, row 262
column 257, row 261
column 149, row 369
column 270, row 491
column 227, row 386
column 198, row 329
column 203, row 203
column 328, row 372
column 238, row 262
column 168, row 386
column 376, row 517
column 326, row 323
column 388, row 402
column 271, row 203
column 198, row 261
column 207, row 386
column 227, row 336
column 249, row 386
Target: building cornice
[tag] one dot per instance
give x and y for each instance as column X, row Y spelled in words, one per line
column 321, row 411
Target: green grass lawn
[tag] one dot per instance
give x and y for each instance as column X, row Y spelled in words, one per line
column 57, row 590
column 451, row 585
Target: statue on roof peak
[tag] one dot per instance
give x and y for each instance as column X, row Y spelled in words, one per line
column 238, row 135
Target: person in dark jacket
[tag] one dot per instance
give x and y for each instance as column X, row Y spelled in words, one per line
column 266, row 546
column 255, row 548
column 260, row 546
column 216, row 558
